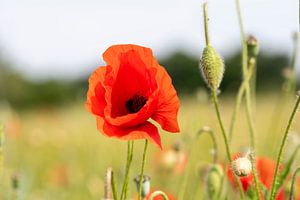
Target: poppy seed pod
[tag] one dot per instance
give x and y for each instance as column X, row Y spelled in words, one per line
column 145, row 185
column 241, row 166
column 214, row 180
column 212, row 67
column 253, row 47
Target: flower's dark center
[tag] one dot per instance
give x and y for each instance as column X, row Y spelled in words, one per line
column 135, row 103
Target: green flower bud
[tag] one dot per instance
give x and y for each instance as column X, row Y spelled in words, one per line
column 214, row 180
column 212, row 67
column 253, row 47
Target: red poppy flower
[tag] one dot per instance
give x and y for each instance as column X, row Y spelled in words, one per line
column 128, row 91
column 265, row 171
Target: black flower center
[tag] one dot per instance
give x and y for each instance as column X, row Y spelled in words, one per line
column 135, row 103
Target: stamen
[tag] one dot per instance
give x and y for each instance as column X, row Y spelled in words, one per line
column 135, row 103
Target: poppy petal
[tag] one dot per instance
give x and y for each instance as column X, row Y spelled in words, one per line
column 112, row 55
column 95, row 102
column 168, row 103
column 144, row 131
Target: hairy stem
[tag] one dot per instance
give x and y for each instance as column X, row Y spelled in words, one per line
column 206, row 24
column 244, row 42
column 128, row 165
column 239, row 98
column 273, row 192
column 251, row 125
column 216, row 104
column 293, row 183
column 142, row 169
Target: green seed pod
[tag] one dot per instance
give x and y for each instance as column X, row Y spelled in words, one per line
column 212, row 67
column 253, row 47
column 214, row 180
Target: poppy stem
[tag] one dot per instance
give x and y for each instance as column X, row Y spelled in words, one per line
column 128, row 165
column 273, row 192
column 206, row 24
column 2, row 138
column 214, row 141
column 142, row 169
column 216, row 104
column 113, row 185
column 250, row 117
column 158, row 193
column 239, row 98
column 247, row 73
column 293, row 183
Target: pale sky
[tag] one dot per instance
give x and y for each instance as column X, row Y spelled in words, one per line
column 58, row 38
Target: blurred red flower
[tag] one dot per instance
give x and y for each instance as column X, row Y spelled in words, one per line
column 170, row 197
column 128, row 91
column 172, row 159
column 265, row 171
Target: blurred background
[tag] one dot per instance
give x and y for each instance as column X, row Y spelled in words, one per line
column 48, row 49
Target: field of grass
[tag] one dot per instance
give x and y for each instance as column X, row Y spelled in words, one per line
column 57, row 153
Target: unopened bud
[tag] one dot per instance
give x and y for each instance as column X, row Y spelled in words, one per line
column 145, row 185
column 241, row 166
column 15, row 181
column 212, row 67
column 214, row 180
column 253, row 47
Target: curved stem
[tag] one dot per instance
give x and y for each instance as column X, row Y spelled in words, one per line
column 293, row 183
column 206, row 24
column 142, row 170
column 273, row 192
column 128, row 165
column 239, row 98
column 214, row 141
column 158, row 193
column 215, row 100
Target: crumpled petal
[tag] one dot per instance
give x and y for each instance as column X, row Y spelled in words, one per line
column 144, row 131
